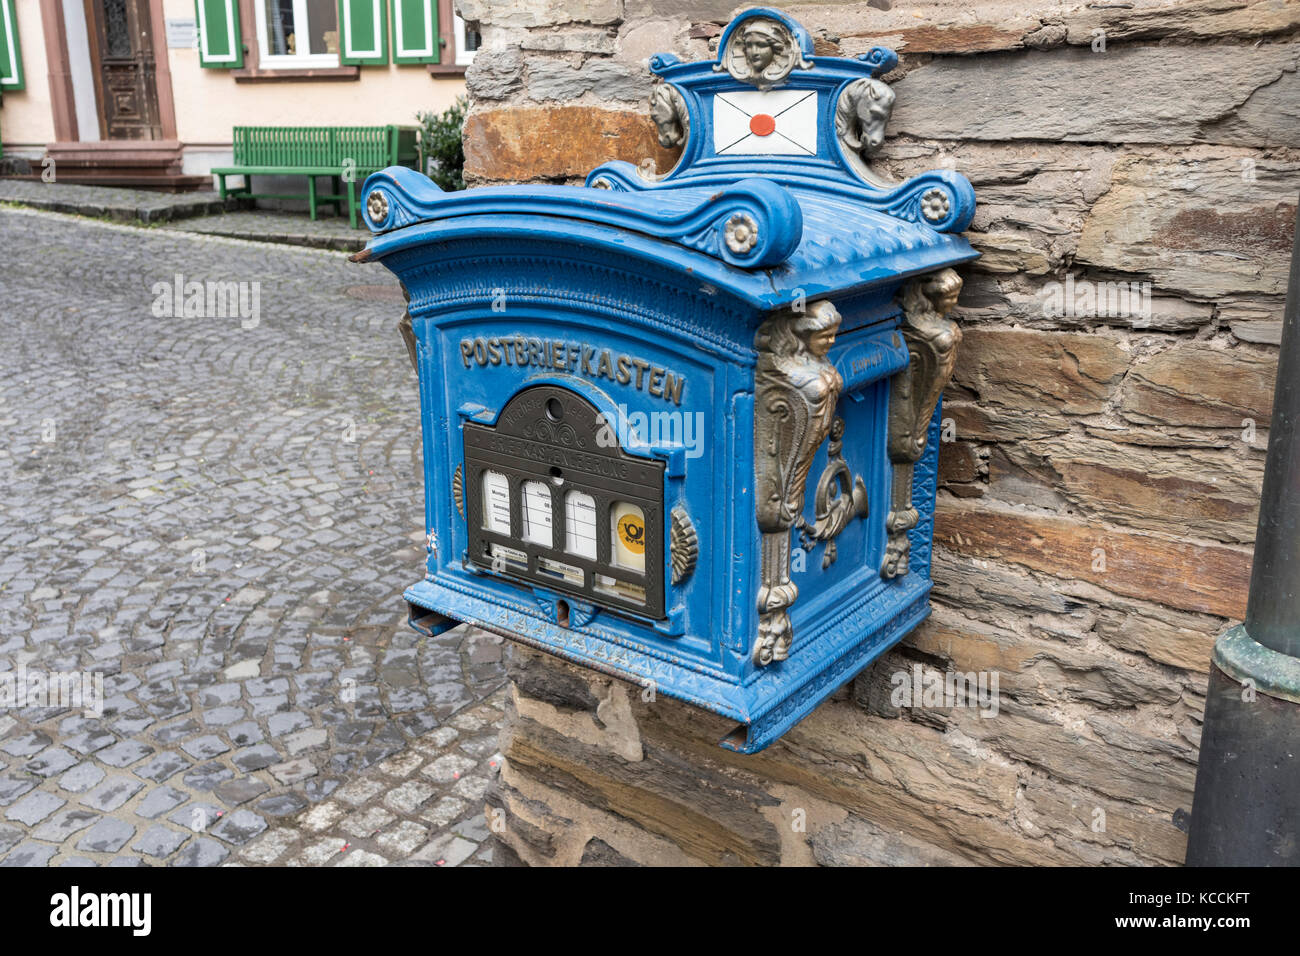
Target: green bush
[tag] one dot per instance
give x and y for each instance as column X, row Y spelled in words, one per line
column 440, row 145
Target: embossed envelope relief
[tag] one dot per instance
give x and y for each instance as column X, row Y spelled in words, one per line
column 778, row 121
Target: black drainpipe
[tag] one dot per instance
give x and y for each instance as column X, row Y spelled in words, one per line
column 1246, row 811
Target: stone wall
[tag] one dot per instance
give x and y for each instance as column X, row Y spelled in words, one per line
column 1099, row 499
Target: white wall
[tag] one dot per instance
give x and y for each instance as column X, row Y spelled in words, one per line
column 25, row 117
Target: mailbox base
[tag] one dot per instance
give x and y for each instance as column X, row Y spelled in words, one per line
column 834, row 651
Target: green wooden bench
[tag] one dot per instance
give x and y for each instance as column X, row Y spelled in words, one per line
column 314, row 151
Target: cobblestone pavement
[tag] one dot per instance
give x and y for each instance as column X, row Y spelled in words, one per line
column 218, row 515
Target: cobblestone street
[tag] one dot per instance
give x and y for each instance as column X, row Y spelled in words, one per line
column 219, row 514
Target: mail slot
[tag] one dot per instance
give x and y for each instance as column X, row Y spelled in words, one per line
column 547, row 502
column 683, row 428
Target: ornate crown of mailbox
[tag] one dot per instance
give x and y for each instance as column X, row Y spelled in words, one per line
column 683, row 428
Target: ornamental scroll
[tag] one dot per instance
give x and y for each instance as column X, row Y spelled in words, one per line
column 796, row 391
column 932, row 341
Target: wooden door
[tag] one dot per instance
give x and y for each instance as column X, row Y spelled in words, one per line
column 121, row 52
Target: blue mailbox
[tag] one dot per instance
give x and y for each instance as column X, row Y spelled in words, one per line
column 683, row 428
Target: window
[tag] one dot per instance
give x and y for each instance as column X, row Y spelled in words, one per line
column 297, row 33
column 537, row 514
column 11, row 60
column 327, row 38
column 627, row 537
column 496, row 502
column 580, row 524
column 465, row 42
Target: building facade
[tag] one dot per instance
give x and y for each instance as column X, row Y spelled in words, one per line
column 146, row 92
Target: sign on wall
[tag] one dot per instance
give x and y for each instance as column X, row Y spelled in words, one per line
column 182, row 33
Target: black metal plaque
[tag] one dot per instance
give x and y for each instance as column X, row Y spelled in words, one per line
column 553, row 499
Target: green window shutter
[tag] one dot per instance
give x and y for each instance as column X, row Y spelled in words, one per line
column 415, row 31
column 220, row 42
column 11, row 57
column 363, row 29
